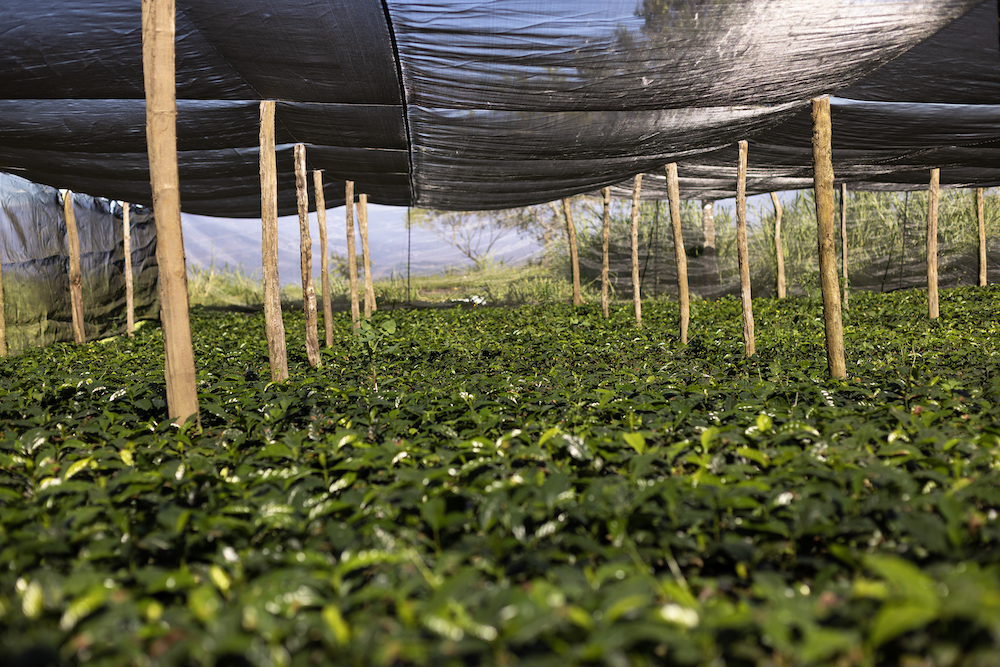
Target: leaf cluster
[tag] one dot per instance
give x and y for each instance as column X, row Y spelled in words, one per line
column 526, row 486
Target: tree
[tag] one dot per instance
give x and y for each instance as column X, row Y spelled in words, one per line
column 476, row 233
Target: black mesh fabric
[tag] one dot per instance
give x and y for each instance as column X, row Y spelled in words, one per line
column 477, row 104
column 34, row 258
column 886, row 244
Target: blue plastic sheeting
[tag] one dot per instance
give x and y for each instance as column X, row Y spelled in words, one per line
column 473, row 104
column 34, row 257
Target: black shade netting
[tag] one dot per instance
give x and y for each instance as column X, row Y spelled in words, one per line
column 886, row 244
column 485, row 104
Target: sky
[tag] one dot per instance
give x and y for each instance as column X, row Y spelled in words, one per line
column 237, row 242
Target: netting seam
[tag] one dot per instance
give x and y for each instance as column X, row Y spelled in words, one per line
column 402, row 93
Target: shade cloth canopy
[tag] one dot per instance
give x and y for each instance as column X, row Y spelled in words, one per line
column 477, row 104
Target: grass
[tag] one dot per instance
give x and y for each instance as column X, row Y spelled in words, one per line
column 495, row 284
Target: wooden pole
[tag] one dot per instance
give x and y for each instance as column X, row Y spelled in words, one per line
column 742, row 253
column 574, row 256
column 305, row 256
column 352, row 260
column 605, row 262
column 843, row 238
column 370, row 305
column 324, row 262
column 710, row 276
column 981, row 217
column 822, row 138
column 158, row 17
column 274, row 327
column 673, row 194
column 932, row 229
column 129, row 288
column 75, row 274
column 636, row 283
column 779, row 248
column 3, row 319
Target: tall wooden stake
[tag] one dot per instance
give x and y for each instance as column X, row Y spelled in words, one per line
column 324, row 262
column 75, row 274
column 843, row 237
column 158, row 18
column 932, row 228
column 605, row 263
column 710, row 277
column 274, row 327
column 574, row 256
column 129, row 288
column 3, row 319
column 305, row 256
column 981, row 217
column 636, row 282
column 779, row 248
column 370, row 306
column 352, row 260
column 742, row 253
column 822, row 138
column 673, row 194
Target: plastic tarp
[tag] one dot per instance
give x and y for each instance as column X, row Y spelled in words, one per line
column 474, row 104
column 34, row 259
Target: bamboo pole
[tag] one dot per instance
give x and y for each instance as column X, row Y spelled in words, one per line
column 324, row 262
column 75, row 274
column 932, row 245
column 158, row 29
column 822, row 137
column 129, row 288
column 843, row 238
column 574, row 256
column 981, row 217
column 779, row 248
column 636, row 283
column 743, row 255
column 673, row 194
column 605, row 263
column 305, row 256
column 3, row 319
column 274, row 327
column 352, row 260
column 370, row 305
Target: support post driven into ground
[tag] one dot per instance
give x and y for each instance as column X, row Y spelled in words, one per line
column 605, row 263
column 843, row 238
column 129, row 289
column 822, row 137
column 324, row 262
column 75, row 274
column 158, row 30
column 305, row 256
column 673, row 194
column 742, row 253
column 779, row 248
column 365, row 257
column 933, row 192
column 352, row 258
column 574, row 255
column 636, row 281
column 274, row 328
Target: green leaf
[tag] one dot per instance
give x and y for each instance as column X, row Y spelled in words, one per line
column 636, row 441
column 204, row 603
column 335, row 621
column 895, row 618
